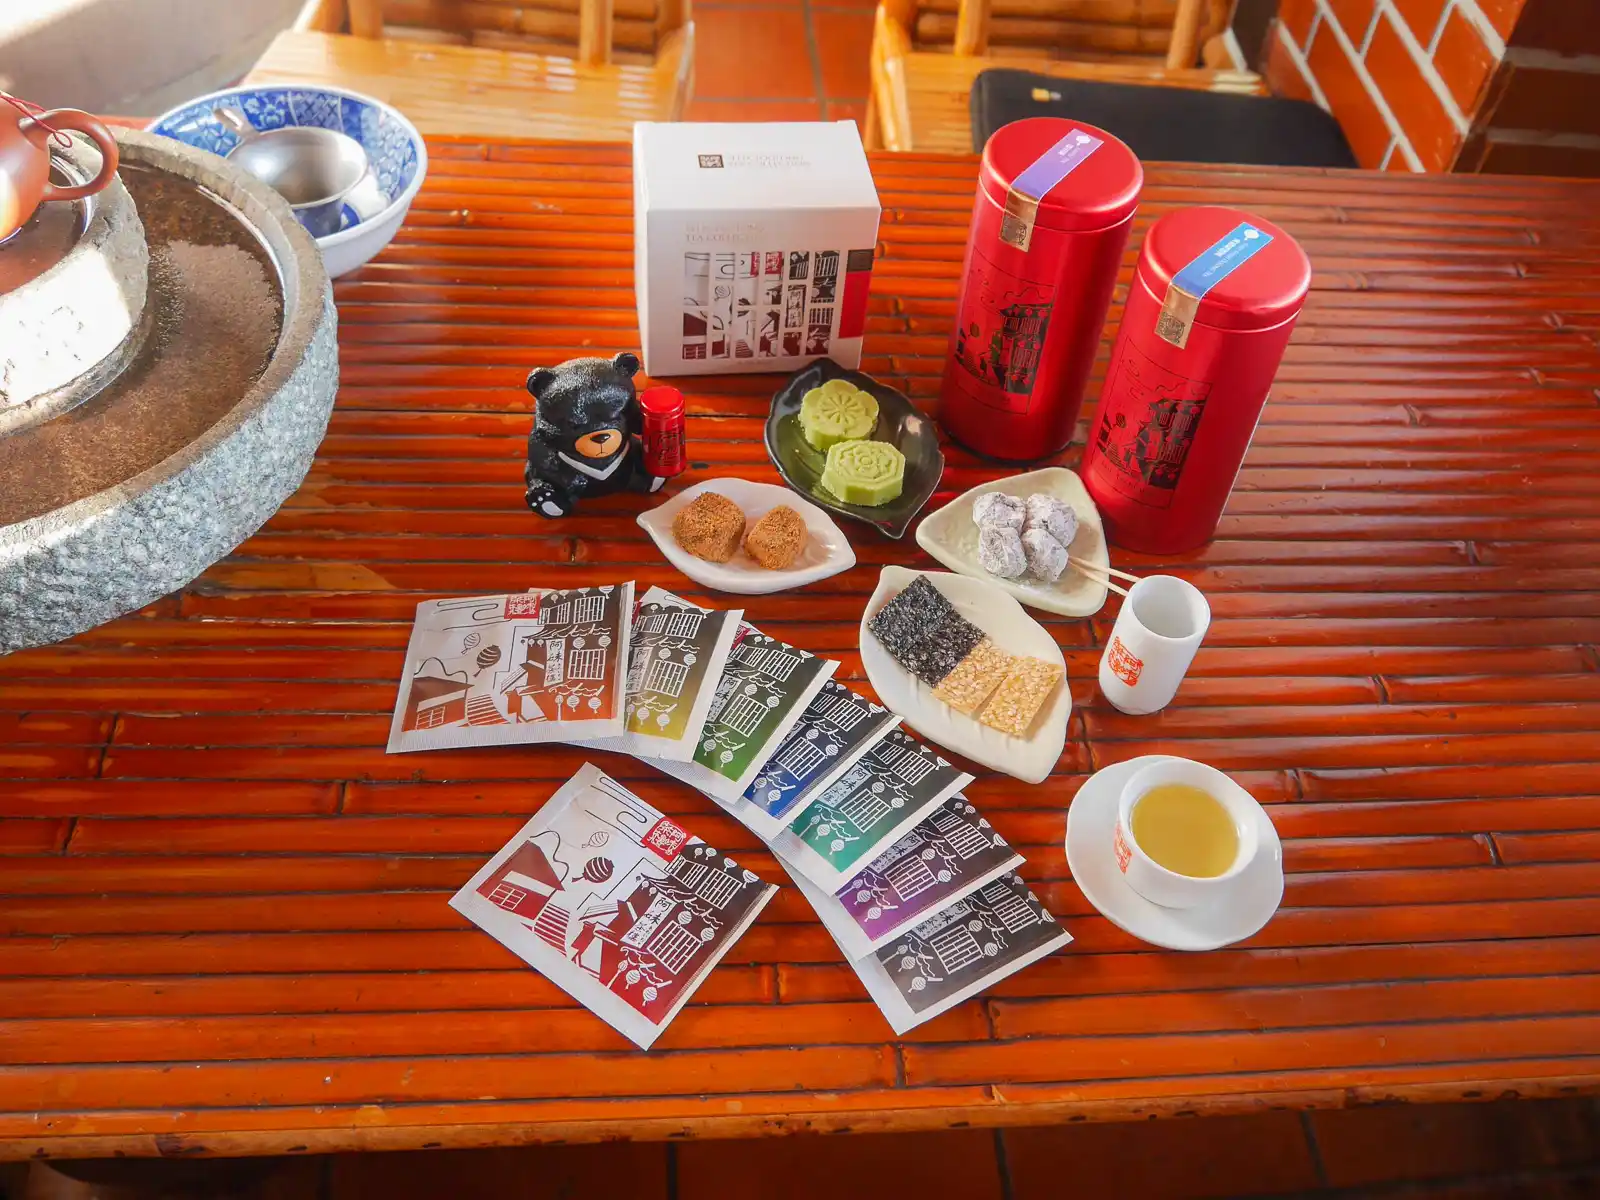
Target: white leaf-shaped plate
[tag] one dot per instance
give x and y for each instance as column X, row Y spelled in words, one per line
column 951, row 537
column 827, row 550
column 1008, row 627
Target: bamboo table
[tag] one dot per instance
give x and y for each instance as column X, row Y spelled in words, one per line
column 223, row 906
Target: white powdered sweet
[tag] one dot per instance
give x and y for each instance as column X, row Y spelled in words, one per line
column 1000, row 551
column 1053, row 516
column 1046, row 557
column 996, row 509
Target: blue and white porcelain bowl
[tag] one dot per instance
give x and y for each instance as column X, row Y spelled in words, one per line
column 374, row 210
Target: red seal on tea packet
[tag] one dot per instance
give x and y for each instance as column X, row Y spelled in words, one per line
column 666, row 838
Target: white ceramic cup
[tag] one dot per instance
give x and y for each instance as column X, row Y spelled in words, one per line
column 1161, row 624
column 1149, row 878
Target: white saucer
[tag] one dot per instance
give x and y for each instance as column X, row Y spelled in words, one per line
column 827, row 550
column 1091, row 824
column 1030, row 759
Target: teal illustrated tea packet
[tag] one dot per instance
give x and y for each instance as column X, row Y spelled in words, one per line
column 896, row 784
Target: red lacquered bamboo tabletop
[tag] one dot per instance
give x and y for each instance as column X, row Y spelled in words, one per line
column 223, row 906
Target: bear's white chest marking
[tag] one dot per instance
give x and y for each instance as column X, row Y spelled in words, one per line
column 593, row 472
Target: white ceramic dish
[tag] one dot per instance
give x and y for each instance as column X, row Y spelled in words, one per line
column 827, row 550
column 1010, row 628
column 1091, row 822
column 951, row 537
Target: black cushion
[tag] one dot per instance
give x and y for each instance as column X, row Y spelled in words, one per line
column 1167, row 124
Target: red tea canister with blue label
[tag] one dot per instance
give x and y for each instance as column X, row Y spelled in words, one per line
column 1213, row 302
column 1055, row 203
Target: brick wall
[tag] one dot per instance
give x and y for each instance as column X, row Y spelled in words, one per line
column 1406, row 78
column 1439, row 85
column 1541, row 113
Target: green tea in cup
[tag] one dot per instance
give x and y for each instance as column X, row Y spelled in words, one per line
column 1186, row 829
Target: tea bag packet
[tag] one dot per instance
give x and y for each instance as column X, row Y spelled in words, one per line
column 960, row 951
column 675, row 658
column 540, row 666
column 951, row 853
column 876, row 802
column 620, row 907
column 836, row 729
column 766, row 686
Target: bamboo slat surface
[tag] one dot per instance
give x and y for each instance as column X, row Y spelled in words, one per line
column 223, row 925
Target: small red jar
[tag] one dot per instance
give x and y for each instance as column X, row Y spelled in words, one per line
column 665, row 433
column 1055, row 203
column 1212, row 304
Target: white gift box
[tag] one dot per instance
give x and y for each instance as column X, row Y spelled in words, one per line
column 753, row 245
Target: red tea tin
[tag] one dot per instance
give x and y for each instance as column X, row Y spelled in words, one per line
column 665, row 420
column 1213, row 302
column 1055, row 202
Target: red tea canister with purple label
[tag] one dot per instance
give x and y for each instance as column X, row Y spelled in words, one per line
column 1055, row 202
column 1213, row 301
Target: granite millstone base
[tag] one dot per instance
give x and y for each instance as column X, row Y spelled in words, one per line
column 115, row 551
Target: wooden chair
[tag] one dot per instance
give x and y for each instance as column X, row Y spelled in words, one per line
column 926, row 53
column 576, row 69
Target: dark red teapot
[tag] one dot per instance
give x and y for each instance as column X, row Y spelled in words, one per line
column 25, row 159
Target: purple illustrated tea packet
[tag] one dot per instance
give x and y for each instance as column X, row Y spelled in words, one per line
column 951, row 853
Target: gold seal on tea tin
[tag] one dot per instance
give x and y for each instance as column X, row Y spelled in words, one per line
column 1177, row 315
column 1016, row 224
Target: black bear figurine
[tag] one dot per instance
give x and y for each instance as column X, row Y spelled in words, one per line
column 585, row 439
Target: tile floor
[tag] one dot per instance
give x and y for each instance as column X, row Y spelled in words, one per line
column 780, row 60
column 1506, row 1150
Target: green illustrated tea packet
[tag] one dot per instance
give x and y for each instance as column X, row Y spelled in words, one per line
column 765, row 687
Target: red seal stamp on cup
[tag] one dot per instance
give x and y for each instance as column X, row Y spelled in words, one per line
column 1120, row 846
column 1123, row 662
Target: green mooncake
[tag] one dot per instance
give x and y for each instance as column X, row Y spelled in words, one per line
column 867, row 473
column 838, row 411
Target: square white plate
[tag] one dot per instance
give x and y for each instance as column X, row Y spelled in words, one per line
column 950, row 535
column 827, row 550
column 1000, row 617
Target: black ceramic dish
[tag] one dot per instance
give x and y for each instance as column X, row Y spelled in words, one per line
column 899, row 424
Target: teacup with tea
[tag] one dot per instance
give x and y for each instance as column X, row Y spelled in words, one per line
column 1184, row 833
